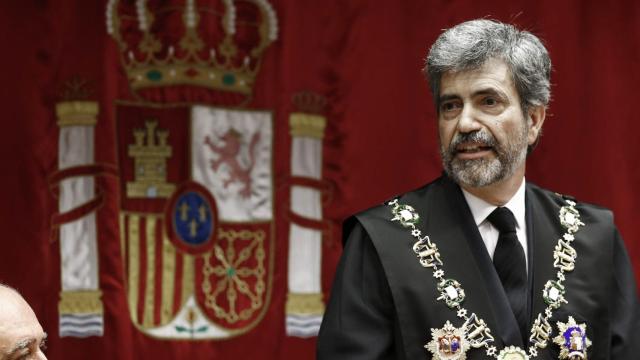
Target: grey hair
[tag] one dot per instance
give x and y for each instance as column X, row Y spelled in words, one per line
column 469, row 45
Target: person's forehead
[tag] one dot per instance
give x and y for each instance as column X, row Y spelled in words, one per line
column 18, row 322
column 14, row 309
column 21, row 328
column 21, row 334
column 493, row 73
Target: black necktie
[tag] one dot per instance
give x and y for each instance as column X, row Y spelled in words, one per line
column 510, row 264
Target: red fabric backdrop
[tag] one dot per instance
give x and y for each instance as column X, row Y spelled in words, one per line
column 365, row 57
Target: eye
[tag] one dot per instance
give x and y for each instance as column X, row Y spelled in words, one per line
column 449, row 106
column 490, row 101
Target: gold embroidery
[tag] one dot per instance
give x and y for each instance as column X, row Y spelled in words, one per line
column 150, row 163
column 201, row 60
column 187, row 277
column 168, row 279
column 134, row 270
column 80, row 302
column 207, row 325
column 149, row 294
column 305, row 304
column 231, row 274
column 77, row 113
column 307, row 125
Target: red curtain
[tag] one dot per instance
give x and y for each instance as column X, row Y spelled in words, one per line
column 365, row 57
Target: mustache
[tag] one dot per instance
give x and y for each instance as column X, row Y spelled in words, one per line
column 481, row 137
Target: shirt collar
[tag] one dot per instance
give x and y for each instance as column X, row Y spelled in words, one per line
column 480, row 209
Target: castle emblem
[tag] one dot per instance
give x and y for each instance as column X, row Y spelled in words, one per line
column 150, row 152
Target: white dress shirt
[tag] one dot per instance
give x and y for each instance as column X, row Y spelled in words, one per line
column 481, row 209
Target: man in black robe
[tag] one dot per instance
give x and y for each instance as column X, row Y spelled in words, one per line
column 480, row 264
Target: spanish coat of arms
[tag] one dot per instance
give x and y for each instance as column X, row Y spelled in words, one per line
column 196, row 218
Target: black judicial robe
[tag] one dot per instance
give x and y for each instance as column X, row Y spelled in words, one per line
column 383, row 302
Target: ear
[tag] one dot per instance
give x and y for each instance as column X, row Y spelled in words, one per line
column 536, row 119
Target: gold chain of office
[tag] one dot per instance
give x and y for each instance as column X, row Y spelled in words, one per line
column 451, row 343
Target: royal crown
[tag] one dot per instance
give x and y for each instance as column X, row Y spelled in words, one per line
column 216, row 45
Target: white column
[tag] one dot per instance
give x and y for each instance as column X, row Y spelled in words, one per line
column 305, row 307
column 80, row 306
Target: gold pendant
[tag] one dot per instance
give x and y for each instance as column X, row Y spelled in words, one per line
column 512, row 353
column 572, row 340
column 448, row 343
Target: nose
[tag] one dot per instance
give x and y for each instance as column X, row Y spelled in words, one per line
column 467, row 122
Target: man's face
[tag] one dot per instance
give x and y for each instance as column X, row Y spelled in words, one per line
column 21, row 336
column 483, row 132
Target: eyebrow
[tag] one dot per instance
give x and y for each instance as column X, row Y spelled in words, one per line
column 447, row 97
column 490, row 91
column 484, row 91
column 21, row 345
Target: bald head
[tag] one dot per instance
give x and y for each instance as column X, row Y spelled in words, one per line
column 21, row 336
